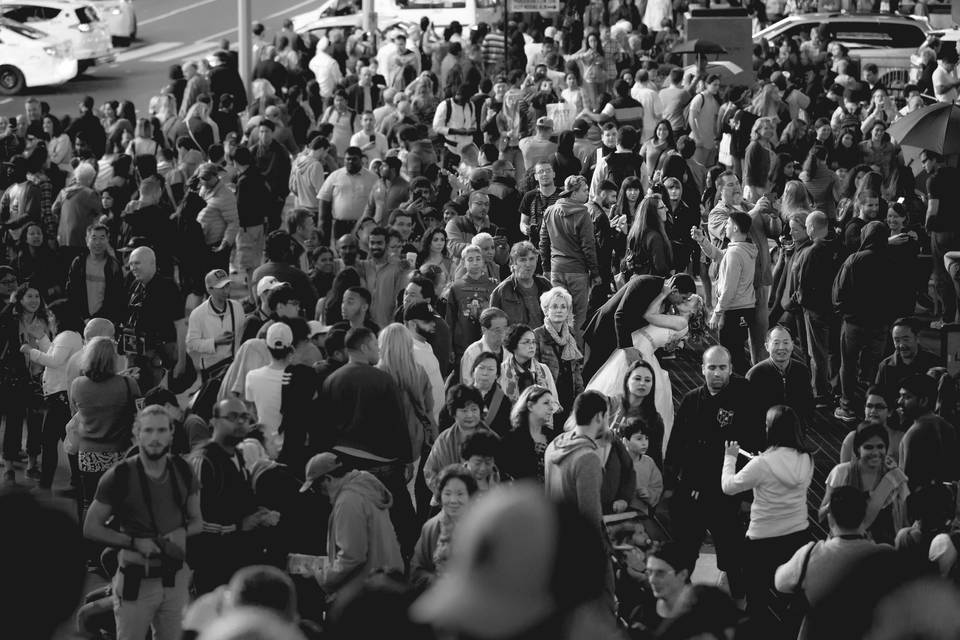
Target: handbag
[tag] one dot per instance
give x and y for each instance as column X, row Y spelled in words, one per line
column 562, row 115
column 725, row 156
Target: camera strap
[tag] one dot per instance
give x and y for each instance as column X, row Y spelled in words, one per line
column 147, row 500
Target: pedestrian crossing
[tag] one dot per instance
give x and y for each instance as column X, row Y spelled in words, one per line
column 169, row 52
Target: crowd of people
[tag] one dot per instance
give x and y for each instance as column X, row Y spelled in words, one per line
column 388, row 345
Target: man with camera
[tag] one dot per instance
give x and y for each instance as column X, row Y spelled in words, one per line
column 152, row 502
column 154, row 335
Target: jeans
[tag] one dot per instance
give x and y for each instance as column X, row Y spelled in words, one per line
column 250, row 242
column 157, row 607
column 707, row 157
column 940, row 243
column 817, row 327
column 578, row 285
column 861, row 348
column 733, row 336
column 760, row 325
column 13, row 419
column 54, row 423
column 402, row 514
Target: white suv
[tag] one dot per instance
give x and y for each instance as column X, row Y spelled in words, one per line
column 76, row 22
column 121, row 19
column 30, row 58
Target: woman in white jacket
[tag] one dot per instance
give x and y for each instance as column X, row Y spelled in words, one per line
column 779, row 478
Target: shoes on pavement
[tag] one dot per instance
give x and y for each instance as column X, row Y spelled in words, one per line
column 33, row 473
column 823, row 402
column 937, row 324
column 844, row 415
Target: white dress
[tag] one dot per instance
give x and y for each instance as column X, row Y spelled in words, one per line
column 609, row 379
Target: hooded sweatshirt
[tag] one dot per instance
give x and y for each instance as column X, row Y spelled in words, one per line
column 567, row 243
column 779, row 478
column 861, row 290
column 735, row 287
column 360, row 536
column 305, row 181
column 573, row 472
column 77, row 207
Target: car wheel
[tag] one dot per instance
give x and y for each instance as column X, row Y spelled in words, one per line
column 119, row 41
column 11, row 80
column 83, row 65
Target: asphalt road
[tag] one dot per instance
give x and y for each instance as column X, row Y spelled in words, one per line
column 170, row 32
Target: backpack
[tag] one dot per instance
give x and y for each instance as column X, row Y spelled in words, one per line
column 179, row 471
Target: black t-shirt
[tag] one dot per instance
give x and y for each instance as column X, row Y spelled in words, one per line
column 155, row 307
column 942, row 186
column 130, row 508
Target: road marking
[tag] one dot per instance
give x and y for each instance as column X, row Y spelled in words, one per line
column 164, row 16
column 284, row 12
column 6, row 101
column 193, row 50
column 143, row 52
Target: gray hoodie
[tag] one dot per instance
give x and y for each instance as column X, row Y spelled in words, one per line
column 567, row 243
column 735, row 277
column 573, row 472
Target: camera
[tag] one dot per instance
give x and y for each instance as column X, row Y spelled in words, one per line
column 131, row 344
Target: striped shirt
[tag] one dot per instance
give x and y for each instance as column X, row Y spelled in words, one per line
column 494, row 47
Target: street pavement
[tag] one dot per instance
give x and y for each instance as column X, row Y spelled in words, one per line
column 170, row 32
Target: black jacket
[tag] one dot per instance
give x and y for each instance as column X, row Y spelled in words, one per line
column 703, row 423
column 518, row 458
column 861, row 290
column 816, row 270
column 115, row 294
column 253, row 197
column 792, row 388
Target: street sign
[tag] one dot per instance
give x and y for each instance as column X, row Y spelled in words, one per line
column 534, row 6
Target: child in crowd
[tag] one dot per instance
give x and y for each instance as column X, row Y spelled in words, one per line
column 649, row 479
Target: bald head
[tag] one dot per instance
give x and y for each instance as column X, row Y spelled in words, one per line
column 143, row 263
column 817, row 225
column 716, row 368
column 99, row 328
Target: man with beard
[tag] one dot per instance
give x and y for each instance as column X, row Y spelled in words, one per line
column 503, row 210
column 722, row 409
column 929, row 449
column 421, row 289
column 154, row 498
column 349, row 250
column 456, row 121
column 907, row 358
column 519, row 294
column 382, row 277
column 230, row 513
column 344, row 195
column 877, row 409
column 599, row 209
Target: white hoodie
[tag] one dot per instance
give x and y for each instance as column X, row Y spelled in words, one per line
column 779, row 478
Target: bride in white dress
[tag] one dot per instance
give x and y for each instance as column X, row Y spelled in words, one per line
column 667, row 329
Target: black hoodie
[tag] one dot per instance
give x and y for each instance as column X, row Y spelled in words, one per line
column 861, row 290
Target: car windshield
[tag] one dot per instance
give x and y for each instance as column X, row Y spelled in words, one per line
column 25, row 31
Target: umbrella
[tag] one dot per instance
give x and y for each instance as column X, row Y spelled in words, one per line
column 720, row 67
column 700, row 47
column 935, row 127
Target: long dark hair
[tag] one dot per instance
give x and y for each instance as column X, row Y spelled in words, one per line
column 15, row 307
column 426, row 241
column 671, row 143
column 783, row 429
column 648, row 219
column 622, row 206
column 647, row 407
column 848, row 188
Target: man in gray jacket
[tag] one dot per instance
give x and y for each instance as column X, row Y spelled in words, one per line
column 568, row 246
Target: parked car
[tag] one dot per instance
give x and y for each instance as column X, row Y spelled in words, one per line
column 30, row 58
column 121, row 19
column 77, row 22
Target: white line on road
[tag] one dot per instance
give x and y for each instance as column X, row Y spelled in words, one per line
column 6, row 101
column 185, row 52
column 164, row 16
column 143, row 52
column 284, row 12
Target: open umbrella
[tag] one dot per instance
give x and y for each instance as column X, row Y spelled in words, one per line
column 935, row 127
column 699, row 47
column 723, row 68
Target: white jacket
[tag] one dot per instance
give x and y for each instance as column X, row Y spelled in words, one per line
column 55, row 359
column 205, row 326
column 779, row 477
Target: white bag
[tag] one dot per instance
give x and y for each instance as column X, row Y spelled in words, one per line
column 562, row 114
column 725, row 157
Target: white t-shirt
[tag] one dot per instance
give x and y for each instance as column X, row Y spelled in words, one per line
column 361, row 139
column 263, row 389
column 347, row 192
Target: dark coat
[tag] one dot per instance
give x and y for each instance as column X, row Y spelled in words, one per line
column 115, row 294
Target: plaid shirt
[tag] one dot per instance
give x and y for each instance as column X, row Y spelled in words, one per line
column 611, row 49
column 48, row 221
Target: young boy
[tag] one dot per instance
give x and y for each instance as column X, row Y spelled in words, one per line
column 468, row 296
column 649, row 478
column 478, row 453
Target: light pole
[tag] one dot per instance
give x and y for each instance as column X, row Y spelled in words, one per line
column 244, row 44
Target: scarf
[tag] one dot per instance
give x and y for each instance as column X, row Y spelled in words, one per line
column 565, row 340
column 515, row 378
column 441, row 552
column 891, row 487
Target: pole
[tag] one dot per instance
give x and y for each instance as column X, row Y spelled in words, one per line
column 506, row 36
column 244, row 44
column 370, row 19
